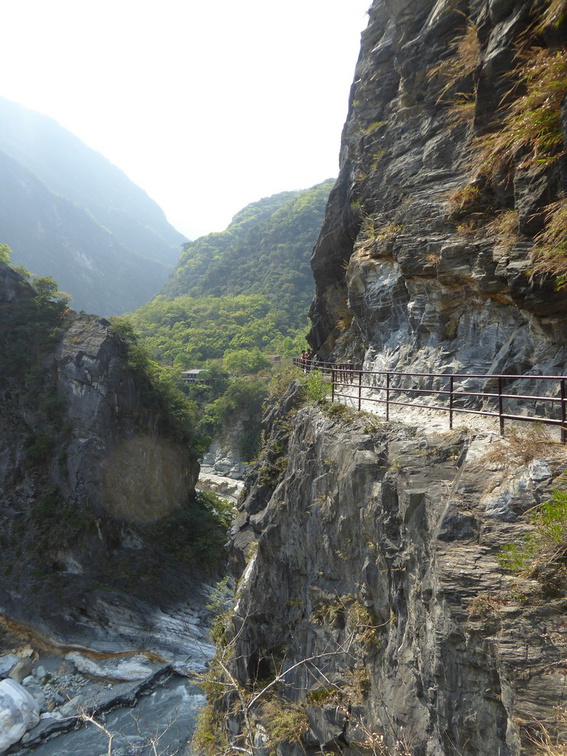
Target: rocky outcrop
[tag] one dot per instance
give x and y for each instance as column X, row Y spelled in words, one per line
column 99, row 520
column 119, row 457
column 378, row 611
column 224, row 457
column 426, row 258
column 375, row 596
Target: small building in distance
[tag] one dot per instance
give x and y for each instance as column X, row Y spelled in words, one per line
column 195, row 376
column 274, row 358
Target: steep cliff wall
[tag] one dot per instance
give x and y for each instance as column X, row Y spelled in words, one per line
column 375, row 598
column 443, row 244
column 376, row 612
column 97, row 472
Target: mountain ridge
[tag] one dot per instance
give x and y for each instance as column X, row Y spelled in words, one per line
column 118, row 218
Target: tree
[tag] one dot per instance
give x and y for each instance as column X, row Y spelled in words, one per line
column 5, row 253
column 245, row 361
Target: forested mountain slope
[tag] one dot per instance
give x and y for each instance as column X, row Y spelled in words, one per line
column 69, row 213
column 265, row 250
column 246, row 288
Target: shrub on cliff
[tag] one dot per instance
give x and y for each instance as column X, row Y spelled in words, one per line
column 240, row 406
column 546, row 544
column 31, row 326
column 159, row 389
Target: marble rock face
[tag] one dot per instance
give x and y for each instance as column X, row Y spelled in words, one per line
column 18, row 713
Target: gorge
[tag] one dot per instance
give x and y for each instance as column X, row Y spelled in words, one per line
column 394, row 589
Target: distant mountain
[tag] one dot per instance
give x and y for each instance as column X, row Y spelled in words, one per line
column 67, row 212
column 51, row 236
column 265, row 250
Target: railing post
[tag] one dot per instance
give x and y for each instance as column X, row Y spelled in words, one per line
column 387, row 396
column 360, row 390
column 563, row 414
column 500, row 406
column 332, row 385
column 451, row 378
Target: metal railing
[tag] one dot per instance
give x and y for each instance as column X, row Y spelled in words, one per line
column 542, row 398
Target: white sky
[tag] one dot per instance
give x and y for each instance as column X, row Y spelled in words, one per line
column 206, row 104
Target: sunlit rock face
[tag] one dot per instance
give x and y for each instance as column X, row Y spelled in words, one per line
column 425, row 257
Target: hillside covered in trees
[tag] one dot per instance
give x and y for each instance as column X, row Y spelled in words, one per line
column 247, row 288
column 236, row 297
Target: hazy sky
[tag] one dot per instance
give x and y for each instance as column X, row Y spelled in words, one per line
column 206, row 104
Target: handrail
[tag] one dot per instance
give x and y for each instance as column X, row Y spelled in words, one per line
column 382, row 387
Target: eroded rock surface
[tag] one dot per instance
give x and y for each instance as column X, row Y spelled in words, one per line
column 376, row 573
column 413, row 267
column 97, row 486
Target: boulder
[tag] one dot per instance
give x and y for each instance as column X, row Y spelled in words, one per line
column 18, row 713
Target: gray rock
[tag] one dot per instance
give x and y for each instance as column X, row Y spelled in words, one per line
column 134, row 668
column 7, row 662
column 393, row 247
column 40, row 673
column 21, row 670
column 18, row 713
column 377, row 549
column 73, row 707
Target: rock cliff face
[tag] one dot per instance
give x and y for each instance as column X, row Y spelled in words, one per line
column 431, row 256
column 118, row 458
column 375, row 593
column 374, row 613
column 97, row 483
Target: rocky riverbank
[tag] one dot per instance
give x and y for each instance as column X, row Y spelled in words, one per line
column 57, row 699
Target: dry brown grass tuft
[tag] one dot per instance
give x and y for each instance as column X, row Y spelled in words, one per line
column 531, row 130
column 506, row 228
column 549, row 738
column 468, row 200
column 461, row 64
column 550, row 249
column 520, row 447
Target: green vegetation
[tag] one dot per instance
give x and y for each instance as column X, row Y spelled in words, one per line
column 546, row 544
column 317, row 387
column 194, row 535
column 5, row 253
column 246, row 289
column 266, row 249
column 285, row 722
column 243, row 399
column 209, row 738
column 159, row 388
column 31, row 327
column 235, row 298
column 191, row 332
